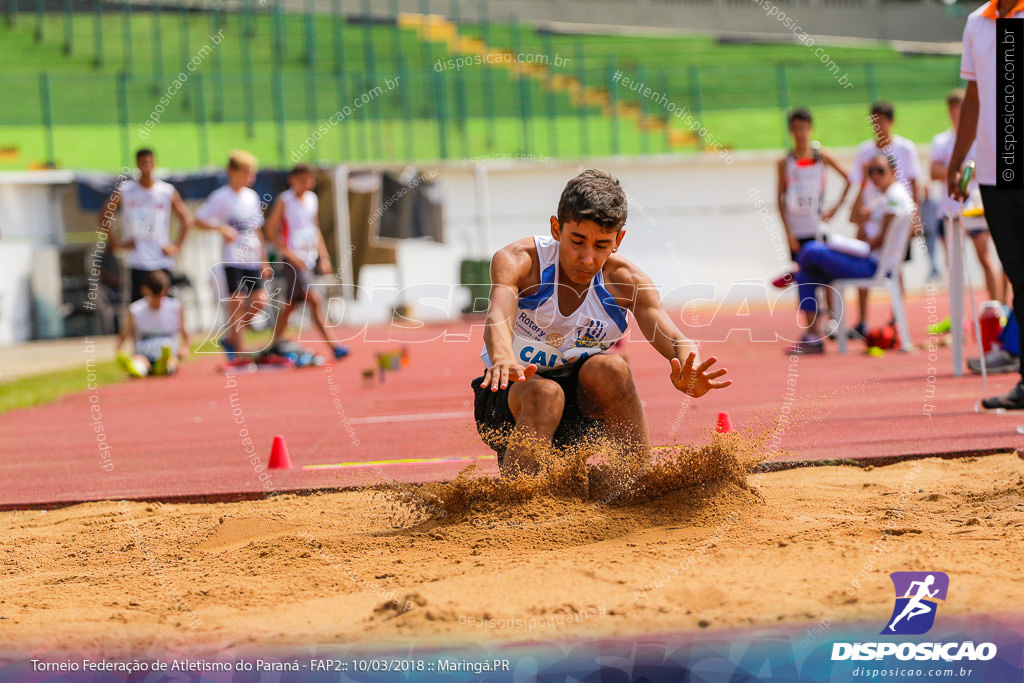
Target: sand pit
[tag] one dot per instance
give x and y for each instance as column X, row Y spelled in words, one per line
column 795, row 547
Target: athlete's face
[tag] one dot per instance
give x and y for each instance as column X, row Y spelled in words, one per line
column 801, row 130
column 584, row 247
column 241, row 177
column 146, row 164
column 302, row 182
column 883, row 124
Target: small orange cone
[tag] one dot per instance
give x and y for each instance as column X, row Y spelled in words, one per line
column 279, row 459
column 724, row 424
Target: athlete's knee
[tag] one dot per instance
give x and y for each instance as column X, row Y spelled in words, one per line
column 537, row 396
column 606, row 373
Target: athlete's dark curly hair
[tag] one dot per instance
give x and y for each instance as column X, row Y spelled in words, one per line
column 593, row 196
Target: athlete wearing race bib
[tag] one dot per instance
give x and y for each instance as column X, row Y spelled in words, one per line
column 146, row 205
column 235, row 211
column 294, row 227
column 801, row 184
column 556, row 305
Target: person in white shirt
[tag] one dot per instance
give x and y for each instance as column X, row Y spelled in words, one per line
column 908, row 173
column 154, row 323
column 294, row 228
column 1002, row 190
column 146, row 205
column 235, row 211
column 821, row 264
column 976, row 227
column 800, row 191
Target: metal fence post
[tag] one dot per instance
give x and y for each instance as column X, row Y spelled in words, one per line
column 186, row 49
column 782, row 83
column 279, row 115
column 217, row 25
column 40, row 17
column 339, row 38
column 248, row 96
column 97, row 34
column 310, row 35
column 581, row 76
column 158, row 48
column 872, row 79
column 46, row 104
column 442, row 114
column 69, row 28
column 204, row 144
column 124, row 116
column 126, row 28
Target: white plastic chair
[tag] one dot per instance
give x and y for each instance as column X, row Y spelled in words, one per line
column 890, row 258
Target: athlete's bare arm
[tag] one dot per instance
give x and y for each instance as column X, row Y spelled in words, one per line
column 780, row 197
column 321, row 246
column 107, row 220
column 511, row 268
column 186, row 224
column 274, row 236
column 966, row 130
column 633, row 289
column 833, row 162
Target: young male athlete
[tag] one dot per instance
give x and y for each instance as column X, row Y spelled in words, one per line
column 146, row 205
column 801, row 184
column 294, row 227
column 154, row 324
column 235, row 211
column 556, row 304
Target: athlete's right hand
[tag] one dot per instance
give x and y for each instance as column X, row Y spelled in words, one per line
column 229, row 233
column 953, row 184
column 505, row 371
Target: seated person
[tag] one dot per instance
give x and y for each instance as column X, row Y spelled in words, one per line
column 154, row 322
column 820, row 264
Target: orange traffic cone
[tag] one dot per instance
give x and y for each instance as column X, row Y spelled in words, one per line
column 724, row 424
column 279, row 459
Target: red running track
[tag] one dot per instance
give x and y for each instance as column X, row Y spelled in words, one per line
column 186, row 436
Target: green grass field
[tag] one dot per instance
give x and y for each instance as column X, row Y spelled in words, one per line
column 263, row 92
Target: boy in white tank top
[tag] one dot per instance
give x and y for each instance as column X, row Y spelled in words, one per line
column 801, row 184
column 154, row 324
column 146, row 205
column 556, row 304
column 293, row 226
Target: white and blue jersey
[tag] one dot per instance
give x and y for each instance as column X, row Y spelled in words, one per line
column 545, row 337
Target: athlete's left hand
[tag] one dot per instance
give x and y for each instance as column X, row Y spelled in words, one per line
column 325, row 268
column 696, row 381
column 169, row 249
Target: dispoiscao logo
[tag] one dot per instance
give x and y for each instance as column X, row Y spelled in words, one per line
column 917, row 600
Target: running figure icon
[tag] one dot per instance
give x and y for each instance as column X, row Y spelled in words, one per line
column 917, row 606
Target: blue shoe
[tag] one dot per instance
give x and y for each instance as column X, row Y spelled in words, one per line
column 228, row 347
column 340, row 352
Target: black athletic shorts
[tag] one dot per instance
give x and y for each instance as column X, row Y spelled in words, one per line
column 139, row 279
column 494, row 419
column 242, row 281
column 295, row 282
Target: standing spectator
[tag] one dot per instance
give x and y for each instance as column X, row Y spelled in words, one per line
column 1004, row 206
column 147, row 204
column 801, row 184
